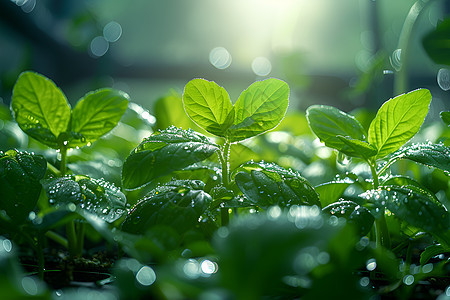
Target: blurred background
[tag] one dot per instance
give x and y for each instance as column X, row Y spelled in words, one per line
column 345, row 53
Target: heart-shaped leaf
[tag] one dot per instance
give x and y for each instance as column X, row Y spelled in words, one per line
column 40, row 108
column 267, row 184
column 329, row 123
column 259, row 108
column 96, row 114
column 208, row 105
column 398, row 120
column 179, row 204
column 95, row 196
column 20, row 173
column 164, row 152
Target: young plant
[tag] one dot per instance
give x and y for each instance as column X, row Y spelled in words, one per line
column 42, row 112
column 396, row 122
column 258, row 109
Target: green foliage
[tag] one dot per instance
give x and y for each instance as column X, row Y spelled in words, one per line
column 178, row 204
column 284, row 253
column 41, row 110
column 206, row 226
column 20, row 173
column 93, row 195
column 258, row 109
column 96, row 114
column 398, row 120
column 267, row 184
column 164, row 152
column 208, row 105
column 334, row 128
column 353, row 213
column 445, row 115
column 330, row 192
column 432, row 155
column 436, row 43
column 415, row 208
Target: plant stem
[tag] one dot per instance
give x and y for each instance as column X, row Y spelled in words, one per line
column 401, row 77
column 40, row 255
column 62, row 167
column 225, row 164
column 381, row 229
column 57, row 238
column 224, row 160
column 81, row 228
column 71, row 238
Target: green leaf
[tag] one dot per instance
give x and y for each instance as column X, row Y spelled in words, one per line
column 432, row 155
column 445, row 116
column 415, row 208
column 358, row 148
column 164, row 152
column 20, row 173
column 96, row 114
column 331, row 191
column 40, row 108
column 328, row 122
column 95, row 196
column 259, row 108
column 432, row 251
column 267, row 184
column 208, row 105
column 436, row 43
column 179, row 204
column 411, row 184
column 353, row 213
column 398, row 120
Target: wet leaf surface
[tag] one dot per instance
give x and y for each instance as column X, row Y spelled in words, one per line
column 96, row 196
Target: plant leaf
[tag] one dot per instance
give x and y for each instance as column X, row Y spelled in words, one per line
column 432, row 251
column 20, row 173
column 178, row 204
column 436, row 43
column 357, row 148
column 40, row 108
column 432, row 155
column 95, row 196
column 411, row 184
column 259, row 108
column 398, row 120
column 96, row 114
column 267, row 184
column 328, row 122
column 331, row 191
column 164, row 152
column 353, row 213
column 445, row 116
column 415, row 208
column 208, row 105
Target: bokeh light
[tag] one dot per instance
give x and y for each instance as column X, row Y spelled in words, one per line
column 220, row 58
column 261, row 66
column 99, row 46
column 112, row 31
